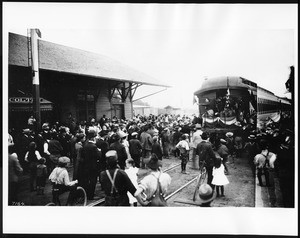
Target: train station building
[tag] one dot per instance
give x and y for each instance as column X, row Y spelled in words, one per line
column 72, row 81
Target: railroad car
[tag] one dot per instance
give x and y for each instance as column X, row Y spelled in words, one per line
column 229, row 103
column 270, row 106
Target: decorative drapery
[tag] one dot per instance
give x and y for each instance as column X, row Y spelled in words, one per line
column 224, row 122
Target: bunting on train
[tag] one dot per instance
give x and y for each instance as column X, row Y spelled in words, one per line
column 224, row 122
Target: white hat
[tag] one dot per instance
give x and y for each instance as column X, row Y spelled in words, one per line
column 122, row 134
column 229, row 134
column 134, row 133
column 63, row 160
column 197, row 126
column 206, row 193
column 111, row 153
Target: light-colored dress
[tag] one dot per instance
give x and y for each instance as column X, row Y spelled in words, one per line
column 132, row 174
column 219, row 178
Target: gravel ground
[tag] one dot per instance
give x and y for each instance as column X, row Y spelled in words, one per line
column 240, row 192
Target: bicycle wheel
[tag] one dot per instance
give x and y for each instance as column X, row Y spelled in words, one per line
column 202, row 176
column 200, row 180
column 197, row 187
column 80, row 198
column 50, row 204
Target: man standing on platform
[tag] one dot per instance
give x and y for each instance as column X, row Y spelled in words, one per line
column 196, row 139
column 91, row 156
column 206, row 154
column 115, row 182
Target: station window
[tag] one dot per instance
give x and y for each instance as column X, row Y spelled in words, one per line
column 85, row 105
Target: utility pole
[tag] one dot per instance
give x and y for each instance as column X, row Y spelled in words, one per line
column 34, row 33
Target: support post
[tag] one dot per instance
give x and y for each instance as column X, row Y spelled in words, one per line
column 35, row 77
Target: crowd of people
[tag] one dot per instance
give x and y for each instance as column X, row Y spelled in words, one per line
column 112, row 150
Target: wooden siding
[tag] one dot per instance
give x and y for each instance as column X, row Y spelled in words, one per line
column 103, row 105
column 128, row 110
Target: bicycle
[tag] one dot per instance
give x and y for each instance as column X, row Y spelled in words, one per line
column 80, row 198
column 201, row 178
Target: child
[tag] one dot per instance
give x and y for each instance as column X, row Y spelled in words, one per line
column 60, row 179
column 132, row 173
column 41, row 175
column 184, row 148
column 219, row 177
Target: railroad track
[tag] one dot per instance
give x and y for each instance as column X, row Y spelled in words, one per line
column 102, row 200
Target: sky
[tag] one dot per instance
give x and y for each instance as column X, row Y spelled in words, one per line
column 178, row 44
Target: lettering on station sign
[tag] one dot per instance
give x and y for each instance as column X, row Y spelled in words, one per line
column 22, row 100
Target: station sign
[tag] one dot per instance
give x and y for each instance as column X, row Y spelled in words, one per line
column 22, row 100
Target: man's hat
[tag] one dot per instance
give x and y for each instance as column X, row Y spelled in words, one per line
column 198, row 126
column 111, row 153
column 134, row 133
column 154, row 163
column 45, row 126
column 259, row 158
column 91, row 132
column 204, row 136
column 122, row 134
column 26, row 130
column 115, row 137
column 206, row 194
column 252, row 137
column 80, row 136
column 223, row 141
column 111, row 157
column 63, row 160
column 229, row 134
column 103, row 133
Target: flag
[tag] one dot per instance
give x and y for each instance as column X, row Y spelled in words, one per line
column 195, row 99
column 251, row 108
column 38, row 32
column 228, row 92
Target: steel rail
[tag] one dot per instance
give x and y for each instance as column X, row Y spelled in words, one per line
column 98, row 202
column 168, row 169
column 182, row 187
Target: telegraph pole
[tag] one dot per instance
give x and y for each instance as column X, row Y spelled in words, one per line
column 34, row 33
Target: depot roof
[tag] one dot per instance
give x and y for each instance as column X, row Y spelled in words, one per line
column 71, row 60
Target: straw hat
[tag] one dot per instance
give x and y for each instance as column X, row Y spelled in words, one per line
column 229, row 134
column 134, row 134
column 111, row 157
column 26, row 131
column 206, row 194
column 122, row 134
column 63, row 160
column 198, row 126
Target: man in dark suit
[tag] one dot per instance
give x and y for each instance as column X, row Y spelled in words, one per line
column 91, row 156
column 121, row 151
column 205, row 152
column 115, row 182
column 23, row 145
column 102, row 144
column 135, row 149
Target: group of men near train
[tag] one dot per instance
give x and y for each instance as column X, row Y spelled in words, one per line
column 139, row 138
